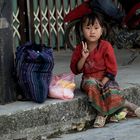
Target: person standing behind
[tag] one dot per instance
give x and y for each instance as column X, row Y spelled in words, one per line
column 95, row 58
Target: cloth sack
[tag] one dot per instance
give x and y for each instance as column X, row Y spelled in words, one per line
column 33, row 69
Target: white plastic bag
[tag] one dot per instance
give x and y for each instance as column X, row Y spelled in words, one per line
column 62, row 86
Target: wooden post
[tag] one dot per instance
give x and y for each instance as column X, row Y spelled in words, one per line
column 7, row 93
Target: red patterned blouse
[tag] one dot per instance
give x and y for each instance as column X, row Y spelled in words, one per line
column 101, row 61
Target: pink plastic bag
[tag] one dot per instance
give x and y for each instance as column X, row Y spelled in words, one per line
column 62, row 86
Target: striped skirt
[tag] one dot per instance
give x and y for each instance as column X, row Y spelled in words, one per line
column 106, row 101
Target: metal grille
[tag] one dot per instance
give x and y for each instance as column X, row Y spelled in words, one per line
column 41, row 21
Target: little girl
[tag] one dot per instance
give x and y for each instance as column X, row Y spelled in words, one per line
column 95, row 58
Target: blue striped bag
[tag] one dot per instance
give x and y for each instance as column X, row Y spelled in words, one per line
column 33, row 69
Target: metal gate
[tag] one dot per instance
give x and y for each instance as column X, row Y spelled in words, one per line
column 41, row 21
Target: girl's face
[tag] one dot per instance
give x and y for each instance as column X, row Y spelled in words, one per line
column 92, row 32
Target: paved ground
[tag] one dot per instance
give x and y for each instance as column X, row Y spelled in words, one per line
column 125, row 130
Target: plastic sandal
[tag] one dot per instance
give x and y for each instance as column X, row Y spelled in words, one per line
column 99, row 121
column 113, row 119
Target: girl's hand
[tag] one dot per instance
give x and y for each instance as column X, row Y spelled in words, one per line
column 85, row 51
column 100, row 86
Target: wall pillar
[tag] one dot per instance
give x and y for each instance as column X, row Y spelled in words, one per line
column 7, row 93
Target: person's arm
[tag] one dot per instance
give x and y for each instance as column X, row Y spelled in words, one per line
column 81, row 63
column 85, row 54
column 104, row 80
column 111, row 64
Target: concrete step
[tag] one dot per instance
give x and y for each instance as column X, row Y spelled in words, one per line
column 31, row 121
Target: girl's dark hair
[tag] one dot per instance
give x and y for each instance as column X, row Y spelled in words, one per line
column 91, row 19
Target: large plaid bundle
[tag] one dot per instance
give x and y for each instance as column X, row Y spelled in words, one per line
column 34, row 64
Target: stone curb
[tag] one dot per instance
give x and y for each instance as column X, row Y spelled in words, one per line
column 45, row 120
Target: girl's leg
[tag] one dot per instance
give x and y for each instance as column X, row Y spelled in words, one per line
column 132, row 107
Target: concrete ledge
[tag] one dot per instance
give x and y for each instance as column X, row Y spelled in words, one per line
column 34, row 120
column 31, row 121
column 133, row 94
